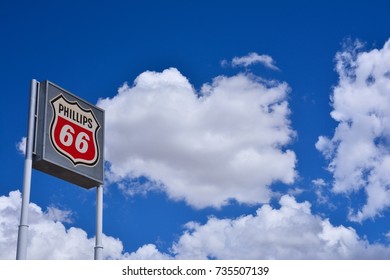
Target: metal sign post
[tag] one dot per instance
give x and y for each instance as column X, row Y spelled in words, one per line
column 65, row 139
column 99, row 224
column 21, row 251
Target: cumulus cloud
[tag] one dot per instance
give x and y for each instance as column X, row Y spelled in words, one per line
column 227, row 141
column 263, row 236
column 251, row 59
column 359, row 151
column 48, row 238
column 258, row 236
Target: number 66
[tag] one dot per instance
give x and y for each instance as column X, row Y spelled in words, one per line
column 67, row 135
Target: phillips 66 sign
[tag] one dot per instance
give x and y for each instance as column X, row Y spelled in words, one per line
column 69, row 137
column 73, row 131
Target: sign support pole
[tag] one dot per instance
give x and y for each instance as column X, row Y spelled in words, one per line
column 99, row 223
column 21, row 252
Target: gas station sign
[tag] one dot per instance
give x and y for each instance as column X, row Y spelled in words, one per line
column 69, row 137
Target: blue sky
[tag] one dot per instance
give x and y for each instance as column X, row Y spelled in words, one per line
column 220, row 140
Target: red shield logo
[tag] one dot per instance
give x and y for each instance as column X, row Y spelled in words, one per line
column 73, row 131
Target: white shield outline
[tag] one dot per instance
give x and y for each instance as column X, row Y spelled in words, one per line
column 75, row 161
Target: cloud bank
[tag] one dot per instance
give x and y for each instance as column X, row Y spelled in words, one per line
column 258, row 236
column 359, row 151
column 226, row 142
column 291, row 232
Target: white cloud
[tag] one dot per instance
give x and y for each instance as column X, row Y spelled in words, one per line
column 253, row 58
column 291, row 232
column 319, row 182
column 147, row 252
column 48, row 238
column 359, row 151
column 387, row 235
column 59, row 215
column 226, row 142
column 320, row 188
column 21, row 146
column 258, row 236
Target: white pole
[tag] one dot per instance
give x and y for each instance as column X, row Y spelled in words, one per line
column 21, row 252
column 99, row 223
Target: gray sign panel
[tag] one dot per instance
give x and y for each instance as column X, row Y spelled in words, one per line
column 69, row 137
